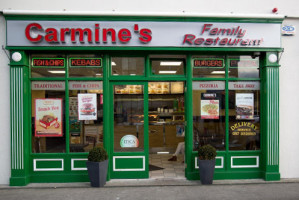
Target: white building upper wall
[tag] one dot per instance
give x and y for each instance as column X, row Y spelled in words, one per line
column 286, row 7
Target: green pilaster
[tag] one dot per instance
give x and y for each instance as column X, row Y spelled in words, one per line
column 19, row 101
column 270, row 118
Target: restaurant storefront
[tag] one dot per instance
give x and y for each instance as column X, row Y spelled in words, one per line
column 139, row 86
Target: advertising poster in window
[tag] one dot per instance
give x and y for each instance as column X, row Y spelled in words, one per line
column 87, row 106
column 244, row 105
column 48, row 118
column 209, row 109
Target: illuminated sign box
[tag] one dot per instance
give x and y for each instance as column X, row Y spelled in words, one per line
column 48, row 62
column 86, row 62
column 208, row 63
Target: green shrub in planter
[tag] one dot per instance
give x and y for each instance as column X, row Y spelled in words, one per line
column 206, row 163
column 207, row 152
column 97, row 166
column 97, row 154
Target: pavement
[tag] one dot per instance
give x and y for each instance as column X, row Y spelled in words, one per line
column 156, row 189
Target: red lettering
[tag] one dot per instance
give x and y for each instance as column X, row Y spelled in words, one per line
column 199, row 41
column 124, row 35
column 63, row 31
column 106, row 32
column 206, row 27
column 28, row 29
column 209, row 41
column 97, row 33
column 145, row 35
column 188, row 38
column 51, row 35
column 81, row 34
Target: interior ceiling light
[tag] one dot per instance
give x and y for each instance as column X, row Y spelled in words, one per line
column 113, row 63
column 170, row 63
column 167, row 72
column 218, row 72
column 57, row 72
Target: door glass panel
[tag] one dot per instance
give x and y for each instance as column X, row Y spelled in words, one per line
column 209, row 114
column 128, row 118
column 166, row 116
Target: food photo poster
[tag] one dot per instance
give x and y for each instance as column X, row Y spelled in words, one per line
column 48, row 118
column 87, row 106
column 244, row 105
column 209, row 109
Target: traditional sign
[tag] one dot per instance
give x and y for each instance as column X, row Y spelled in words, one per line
column 129, row 141
column 87, row 106
column 209, row 109
column 48, row 118
column 48, row 85
column 244, row 105
column 142, row 33
column 243, row 129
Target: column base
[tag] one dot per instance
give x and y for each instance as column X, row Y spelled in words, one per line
column 272, row 176
column 19, row 181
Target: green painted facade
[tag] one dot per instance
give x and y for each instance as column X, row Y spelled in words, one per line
column 27, row 167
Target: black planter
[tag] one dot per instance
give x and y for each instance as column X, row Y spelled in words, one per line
column 206, row 171
column 97, row 172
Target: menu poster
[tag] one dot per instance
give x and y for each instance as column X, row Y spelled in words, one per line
column 48, row 118
column 209, row 109
column 87, row 106
column 244, row 105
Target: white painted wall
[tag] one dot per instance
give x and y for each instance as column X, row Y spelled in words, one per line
column 4, row 109
column 289, row 105
column 289, row 71
column 289, row 7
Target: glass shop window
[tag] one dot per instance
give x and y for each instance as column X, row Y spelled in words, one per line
column 85, row 115
column 168, row 66
column 48, row 116
column 129, row 66
column 85, row 66
column 208, row 66
column 244, row 66
column 244, row 115
column 47, row 66
column 208, row 114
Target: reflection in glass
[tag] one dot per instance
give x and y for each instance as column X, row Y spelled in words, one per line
column 244, row 115
column 244, row 67
column 209, row 114
column 128, row 118
column 130, row 66
column 85, row 134
column 48, row 144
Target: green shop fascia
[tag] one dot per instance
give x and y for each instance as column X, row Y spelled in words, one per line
column 66, row 73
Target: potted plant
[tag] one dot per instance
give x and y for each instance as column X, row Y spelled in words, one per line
column 97, row 166
column 206, row 163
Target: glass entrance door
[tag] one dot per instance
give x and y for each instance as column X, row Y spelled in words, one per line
column 129, row 125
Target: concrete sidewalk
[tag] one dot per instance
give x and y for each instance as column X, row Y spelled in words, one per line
column 164, row 190
column 151, row 182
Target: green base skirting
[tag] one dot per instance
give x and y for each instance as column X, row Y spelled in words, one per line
column 19, row 181
column 58, row 178
column 273, row 176
column 228, row 175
